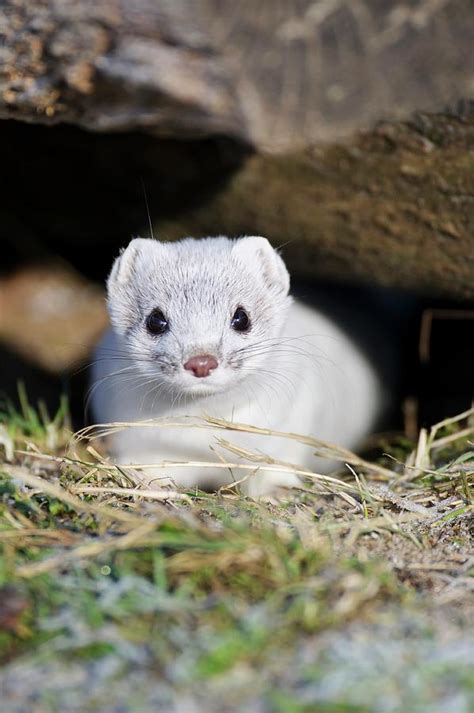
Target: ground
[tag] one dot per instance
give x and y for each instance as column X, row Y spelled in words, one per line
column 348, row 595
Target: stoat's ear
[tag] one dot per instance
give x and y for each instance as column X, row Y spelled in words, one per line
column 257, row 253
column 124, row 266
column 122, row 288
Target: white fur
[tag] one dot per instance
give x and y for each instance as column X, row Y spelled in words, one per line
column 296, row 371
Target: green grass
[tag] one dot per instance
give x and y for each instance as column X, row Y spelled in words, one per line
column 211, row 587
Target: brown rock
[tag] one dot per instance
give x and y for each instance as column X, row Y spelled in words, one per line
column 51, row 316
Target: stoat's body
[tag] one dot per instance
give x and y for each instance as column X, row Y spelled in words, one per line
column 206, row 327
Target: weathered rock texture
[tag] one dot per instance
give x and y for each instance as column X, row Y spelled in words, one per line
column 275, row 73
column 394, row 207
column 274, row 84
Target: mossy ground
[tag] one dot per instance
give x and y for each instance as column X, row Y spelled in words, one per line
column 348, row 597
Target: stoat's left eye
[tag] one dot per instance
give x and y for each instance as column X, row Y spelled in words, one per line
column 240, row 321
column 156, row 322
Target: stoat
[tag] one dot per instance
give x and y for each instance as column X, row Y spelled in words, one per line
column 207, row 327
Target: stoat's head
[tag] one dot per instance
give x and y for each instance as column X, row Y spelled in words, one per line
column 199, row 315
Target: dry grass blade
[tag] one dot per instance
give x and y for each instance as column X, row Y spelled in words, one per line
column 20, row 473
column 140, row 536
column 322, row 449
column 266, row 466
column 464, row 416
column 404, row 503
column 442, row 442
column 161, row 495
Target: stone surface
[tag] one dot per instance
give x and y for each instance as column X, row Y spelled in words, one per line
column 271, row 97
column 279, row 76
column 392, row 207
column 51, row 316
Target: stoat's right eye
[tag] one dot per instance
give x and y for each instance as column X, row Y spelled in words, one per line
column 156, row 322
column 240, row 321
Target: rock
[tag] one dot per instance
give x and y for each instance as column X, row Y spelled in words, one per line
column 274, row 99
column 51, row 316
column 355, row 213
column 279, row 77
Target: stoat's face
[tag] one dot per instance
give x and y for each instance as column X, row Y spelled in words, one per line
column 199, row 316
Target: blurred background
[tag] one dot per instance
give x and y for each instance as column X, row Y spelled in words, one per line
column 343, row 131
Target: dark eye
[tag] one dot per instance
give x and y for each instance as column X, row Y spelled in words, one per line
column 240, row 321
column 156, row 322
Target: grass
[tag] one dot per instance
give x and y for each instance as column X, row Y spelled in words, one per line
column 99, row 572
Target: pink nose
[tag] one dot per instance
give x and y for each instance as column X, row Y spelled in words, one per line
column 201, row 365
